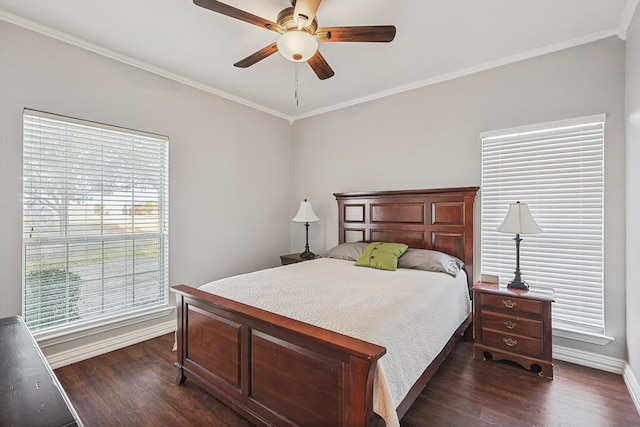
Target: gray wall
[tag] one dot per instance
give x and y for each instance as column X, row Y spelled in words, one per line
column 222, row 171
column 428, row 138
column 229, row 183
column 632, row 112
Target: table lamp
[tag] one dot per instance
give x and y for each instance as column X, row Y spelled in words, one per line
column 518, row 221
column 305, row 214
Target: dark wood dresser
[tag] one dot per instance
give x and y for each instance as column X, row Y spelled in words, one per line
column 30, row 394
column 513, row 324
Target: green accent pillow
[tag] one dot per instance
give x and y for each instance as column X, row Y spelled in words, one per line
column 381, row 255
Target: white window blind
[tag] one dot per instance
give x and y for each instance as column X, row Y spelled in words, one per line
column 557, row 168
column 95, row 217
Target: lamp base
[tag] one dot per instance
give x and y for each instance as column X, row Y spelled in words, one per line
column 517, row 282
column 518, row 285
column 307, row 255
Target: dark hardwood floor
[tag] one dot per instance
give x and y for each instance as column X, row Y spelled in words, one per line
column 134, row 387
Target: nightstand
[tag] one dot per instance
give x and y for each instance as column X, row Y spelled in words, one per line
column 513, row 324
column 292, row 259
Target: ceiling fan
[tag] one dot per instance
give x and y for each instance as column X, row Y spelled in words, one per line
column 299, row 33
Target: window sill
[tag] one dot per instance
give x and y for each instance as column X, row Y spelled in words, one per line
column 584, row 336
column 71, row 333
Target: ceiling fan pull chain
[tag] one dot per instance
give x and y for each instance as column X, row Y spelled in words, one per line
column 296, row 84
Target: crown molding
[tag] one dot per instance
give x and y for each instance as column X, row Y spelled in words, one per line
column 588, row 38
column 75, row 41
column 619, row 32
column 626, row 18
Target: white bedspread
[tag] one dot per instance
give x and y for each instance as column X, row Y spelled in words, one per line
column 410, row 312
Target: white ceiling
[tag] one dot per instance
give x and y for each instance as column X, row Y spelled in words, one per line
column 436, row 40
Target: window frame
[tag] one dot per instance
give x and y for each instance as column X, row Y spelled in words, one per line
column 159, row 304
column 491, row 194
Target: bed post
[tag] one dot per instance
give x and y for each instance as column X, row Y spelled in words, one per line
column 180, row 377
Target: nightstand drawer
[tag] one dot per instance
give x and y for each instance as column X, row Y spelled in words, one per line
column 515, row 343
column 512, row 324
column 508, row 302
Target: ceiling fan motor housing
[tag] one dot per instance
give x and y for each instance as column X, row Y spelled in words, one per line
column 286, row 21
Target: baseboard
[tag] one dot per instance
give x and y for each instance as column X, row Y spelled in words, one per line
column 591, row 360
column 77, row 354
column 632, row 385
column 584, row 358
column 604, row 363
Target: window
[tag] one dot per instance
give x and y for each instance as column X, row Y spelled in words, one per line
column 557, row 168
column 95, row 221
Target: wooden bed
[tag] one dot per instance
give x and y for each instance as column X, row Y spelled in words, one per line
column 274, row 370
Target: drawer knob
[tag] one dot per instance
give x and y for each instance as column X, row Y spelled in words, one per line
column 510, row 342
column 510, row 325
column 508, row 303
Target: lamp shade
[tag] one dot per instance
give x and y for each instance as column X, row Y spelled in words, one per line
column 305, row 213
column 519, row 220
column 297, row 46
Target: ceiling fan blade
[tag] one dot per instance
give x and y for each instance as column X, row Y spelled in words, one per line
column 370, row 33
column 320, row 66
column 258, row 56
column 305, row 11
column 233, row 12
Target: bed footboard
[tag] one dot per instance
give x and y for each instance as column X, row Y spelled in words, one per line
column 272, row 369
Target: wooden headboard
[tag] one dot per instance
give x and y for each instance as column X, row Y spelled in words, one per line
column 440, row 219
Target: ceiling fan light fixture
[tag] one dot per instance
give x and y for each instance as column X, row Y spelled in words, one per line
column 297, row 46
